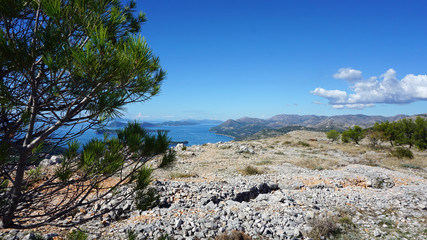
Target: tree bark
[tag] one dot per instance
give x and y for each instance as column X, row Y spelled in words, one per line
column 17, row 190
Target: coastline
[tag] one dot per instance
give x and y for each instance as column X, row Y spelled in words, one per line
column 232, row 138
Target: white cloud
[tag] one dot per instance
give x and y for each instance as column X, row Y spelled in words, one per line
column 359, row 105
column 338, row 106
column 335, row 96
column 353, row 106
column 348, row 74
column 365, row 93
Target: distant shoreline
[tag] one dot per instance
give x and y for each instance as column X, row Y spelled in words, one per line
column 225, row 135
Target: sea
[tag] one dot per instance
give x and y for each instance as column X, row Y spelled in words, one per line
column 197, row 134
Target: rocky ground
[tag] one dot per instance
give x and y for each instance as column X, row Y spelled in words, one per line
column 296, row 186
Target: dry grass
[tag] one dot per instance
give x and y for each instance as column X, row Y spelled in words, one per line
column 317, row 163
column 175, row 175
column 336, row 227
column 401, row 153
column 249, row 170
column 386, row 160
column 319, row 155
column 323, row 227
column 302, row 144
column 234, row 235
column 264, row 162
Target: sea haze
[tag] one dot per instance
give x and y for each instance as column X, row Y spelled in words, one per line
column 194, row 132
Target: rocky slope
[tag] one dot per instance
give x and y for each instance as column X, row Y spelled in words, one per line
column 300, row 183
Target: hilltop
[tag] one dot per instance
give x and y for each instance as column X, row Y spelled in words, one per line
column 291, row 186
column 244, row 127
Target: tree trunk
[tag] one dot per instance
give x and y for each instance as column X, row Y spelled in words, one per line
column 17, row 190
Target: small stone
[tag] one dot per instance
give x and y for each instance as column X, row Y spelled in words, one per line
column 199, row 235
column 178, row 223
column 297, row 232
column 310, row 214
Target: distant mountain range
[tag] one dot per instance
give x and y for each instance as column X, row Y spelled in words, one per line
column 255, row 127
column 123, row 122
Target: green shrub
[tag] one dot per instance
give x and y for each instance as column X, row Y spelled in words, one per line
column 77, row 235
column 409, row 165
column 333, row 135
column 304, row 144
column 34, row 175
column 400, row 153
column 131, row 234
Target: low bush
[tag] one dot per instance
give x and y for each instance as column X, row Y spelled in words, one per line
column 303, row 144
column 410, row 165
column 131, row 234
column 183, row 175
column 249, row 170
column 77, row 235
column 401, row 152
column 333, row 135
column 323, row 227
column 34, row 175
column 346, row 222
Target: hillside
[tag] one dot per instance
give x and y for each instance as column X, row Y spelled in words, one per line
column 242, row 128
column 287, row 187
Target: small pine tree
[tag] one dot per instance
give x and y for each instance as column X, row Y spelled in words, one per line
column 420, row 134
column 333, row 135
column 354, row 134
column 406, row 128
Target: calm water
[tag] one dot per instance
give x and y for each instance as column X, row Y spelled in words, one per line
column 195, row 134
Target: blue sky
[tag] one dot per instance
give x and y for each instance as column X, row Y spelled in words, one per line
column 234, row 58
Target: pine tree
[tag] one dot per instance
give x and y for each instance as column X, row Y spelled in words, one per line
column 73, row 65
column 420, row 133
column 354, row 134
